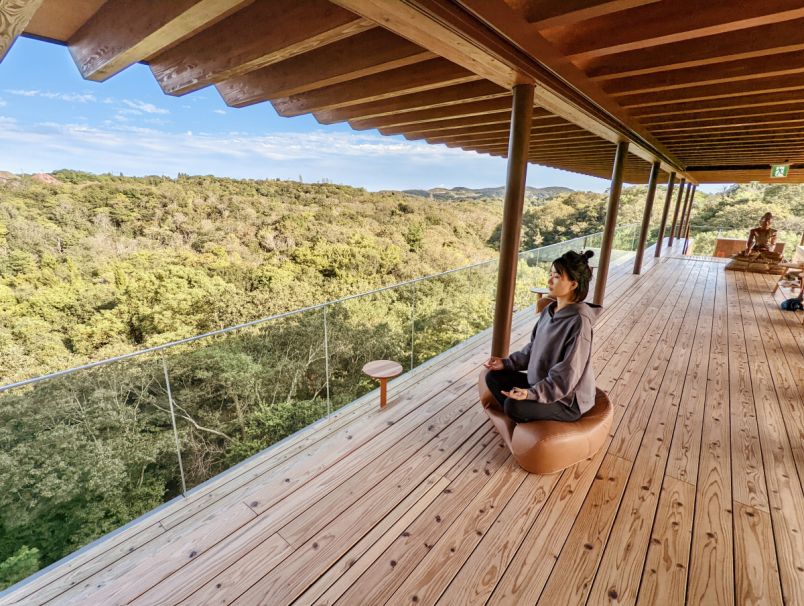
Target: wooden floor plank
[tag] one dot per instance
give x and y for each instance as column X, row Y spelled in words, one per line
column 711, row 572
column 664, row 578
column 755, row 573
column 575, row 568
column 379, row 550
column 785, row 495
column 622, row 565
column 429, row 579
column 748, row 477
column 381, row 508
column 481, row 571
column 685, row 449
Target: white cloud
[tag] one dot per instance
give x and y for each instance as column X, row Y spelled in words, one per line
column 361, row 159
column 68, row 97
column 142, row 106
column 219, row 111
column 3, row 103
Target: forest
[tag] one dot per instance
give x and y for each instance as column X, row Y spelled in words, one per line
column 97, row 266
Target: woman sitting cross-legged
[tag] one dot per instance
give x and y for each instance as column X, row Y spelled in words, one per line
column 560, row 383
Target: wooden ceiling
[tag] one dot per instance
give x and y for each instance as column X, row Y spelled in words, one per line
column 712, row 90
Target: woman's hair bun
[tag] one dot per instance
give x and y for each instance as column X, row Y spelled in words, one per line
column 589, row 254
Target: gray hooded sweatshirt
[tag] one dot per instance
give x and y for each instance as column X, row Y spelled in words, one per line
column 559, row 356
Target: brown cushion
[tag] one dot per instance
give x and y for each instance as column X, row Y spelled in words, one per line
column 549, row 446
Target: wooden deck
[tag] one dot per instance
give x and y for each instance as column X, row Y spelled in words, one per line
column 696, row 496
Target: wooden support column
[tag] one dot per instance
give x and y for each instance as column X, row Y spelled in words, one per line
column 675, row 212
column 689, row 217
column 668, row 198
column 643, row 232
column 518, row 141
column 684, row 212
column 611, row 221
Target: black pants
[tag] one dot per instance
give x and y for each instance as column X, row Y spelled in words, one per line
column 522, row 411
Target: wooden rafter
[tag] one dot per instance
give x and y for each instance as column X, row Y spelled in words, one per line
column 442, row 97
column 14, row 18
column 435, row 73
column 371, row 52
column 258, row 35
column 124, row 32
column 549, row 13
column 763, row 41
column 664, row 23
column 435, row 114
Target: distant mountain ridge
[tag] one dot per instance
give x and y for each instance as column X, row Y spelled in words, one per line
column 466, row 193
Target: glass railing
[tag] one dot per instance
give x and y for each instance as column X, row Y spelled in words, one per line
column 87, row 450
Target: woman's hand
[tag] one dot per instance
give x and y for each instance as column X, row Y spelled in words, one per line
column 516, row 393
column 494, row 363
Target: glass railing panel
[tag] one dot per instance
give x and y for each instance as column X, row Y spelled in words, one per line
column 453, row 307
column 81, row 455
column 238, row 393
column 377, row 326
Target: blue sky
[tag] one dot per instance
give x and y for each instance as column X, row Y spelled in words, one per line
column 51, row 118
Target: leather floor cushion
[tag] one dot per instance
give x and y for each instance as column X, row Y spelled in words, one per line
column 545, row 447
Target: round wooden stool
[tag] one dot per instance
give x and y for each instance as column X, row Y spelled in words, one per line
column 383, row 370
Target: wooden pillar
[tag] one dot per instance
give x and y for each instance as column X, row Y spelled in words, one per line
column 689, row 216
column 518, row 142
column 675, row 212
column 643, row 232
column 668, row 198
column 683, row 216
column 611, row 221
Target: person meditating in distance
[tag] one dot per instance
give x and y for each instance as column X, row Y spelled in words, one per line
column 762, row 238
column 560, row 383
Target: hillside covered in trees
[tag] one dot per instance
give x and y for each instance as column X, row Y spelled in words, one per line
column 92, row 266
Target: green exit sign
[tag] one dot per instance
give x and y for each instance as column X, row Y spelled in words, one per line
column 779, row 170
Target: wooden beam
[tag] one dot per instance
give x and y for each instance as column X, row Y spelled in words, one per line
column 731, row 124
column 668, row 198
column 665, row 23
column 784, row 98
column 748, row 113
column 740, row 144
column 458, row 124
column 440, row 97
column 720, row 73
column 549, row 13
column 714, row 91
column 434, row 114
column 643, row 231
column 123, row 32
column 611, row 222
column 14, row 18
column 469, row 38
column 451, row 133
column 748, row 43
column 364, row 54
column 673, row 139
column 434, row 73
column 491, row 131
column 512, row 219
column 258, row 35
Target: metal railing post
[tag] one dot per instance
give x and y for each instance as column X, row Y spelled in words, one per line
column 413, row 327
column 326, row 360
column 173, row 421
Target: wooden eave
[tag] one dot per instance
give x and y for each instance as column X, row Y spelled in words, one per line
column 706, row 90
